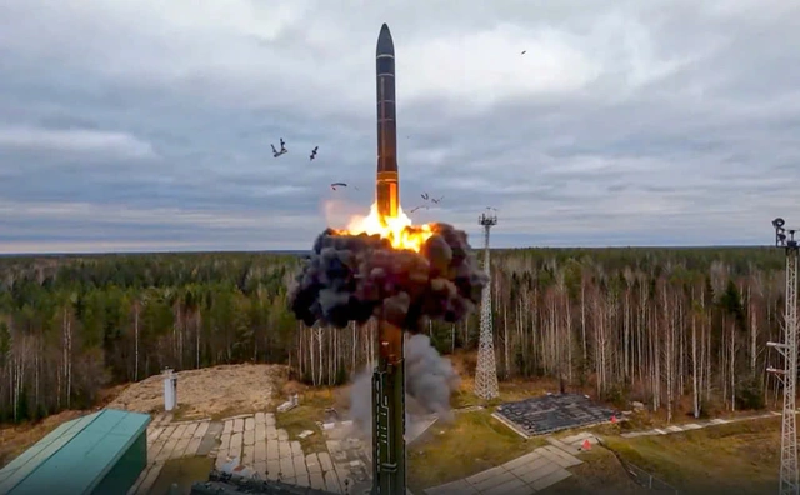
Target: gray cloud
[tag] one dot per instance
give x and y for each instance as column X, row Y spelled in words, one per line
column 126, row 124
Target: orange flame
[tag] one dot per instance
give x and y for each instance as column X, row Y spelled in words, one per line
column 399, row 231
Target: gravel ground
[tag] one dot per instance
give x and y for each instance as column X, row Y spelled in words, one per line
column 207, row 392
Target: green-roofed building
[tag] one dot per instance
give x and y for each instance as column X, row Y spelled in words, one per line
column 101, row 453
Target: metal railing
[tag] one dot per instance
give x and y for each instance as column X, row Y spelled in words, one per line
column 647, row 480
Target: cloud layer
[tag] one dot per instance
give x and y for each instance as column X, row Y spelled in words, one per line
column 143, row 124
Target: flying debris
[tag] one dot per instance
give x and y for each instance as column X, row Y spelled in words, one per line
column 337, row 184
column 282, row 151
column 420, row 207
column 427, row 197
column 523, row 52
column 314, row 153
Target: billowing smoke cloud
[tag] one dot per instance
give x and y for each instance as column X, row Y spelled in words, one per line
column 430, row 379
column 353, row 277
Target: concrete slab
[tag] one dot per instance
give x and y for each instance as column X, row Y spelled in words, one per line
column 150, row 478
column 169, row 448
column 272, row 451
column 235, row 449
column 193, row 447
column 299, row 462
column 296, row 448
column 153, row 433
column 494, row 481
column 333, row 445
column 541, row 472
column 287, row 467
column 201, row 430
column 238, row 425
column 303, row 481
column 284, row 449
column 521, row 461
column 325, row 461
column 270, row 419
column 454, row 488
column 180, row 448
column 342, row 472
column 228, row 428
column 178, row 433
column 250, row 437
column 248, row 455
column 316, row 481
column 283, row 436
column 261, row 418
column 312, row 460
column 249, row 424
column 562, row 458
column 260, row 431
column 510, row 486
column 331, row 482
column 260, row 453
column 478, row 478
column 550, row 479
column 260, row 467
column 273, row 469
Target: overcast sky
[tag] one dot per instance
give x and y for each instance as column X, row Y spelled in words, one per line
column 137, row 125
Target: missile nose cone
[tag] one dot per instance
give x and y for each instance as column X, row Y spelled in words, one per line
column 385, row 44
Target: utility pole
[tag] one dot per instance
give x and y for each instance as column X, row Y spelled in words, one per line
column 788, row 375
column 486, row 372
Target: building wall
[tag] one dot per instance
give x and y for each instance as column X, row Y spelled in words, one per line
column 127, row 469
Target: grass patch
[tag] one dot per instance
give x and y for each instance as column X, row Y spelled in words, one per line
column 311, row 408
column 600, row 472
column 741, row 457
column 183, row 473
column 473, row 442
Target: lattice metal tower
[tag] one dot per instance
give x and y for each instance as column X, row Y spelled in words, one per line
column 788, row 375
column 486, row 372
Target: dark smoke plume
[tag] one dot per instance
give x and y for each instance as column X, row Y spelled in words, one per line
column 430, row 379
column 353, row 277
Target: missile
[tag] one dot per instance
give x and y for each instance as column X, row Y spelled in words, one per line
column 387, row 191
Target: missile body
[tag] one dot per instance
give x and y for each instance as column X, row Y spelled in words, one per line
column 387, row 192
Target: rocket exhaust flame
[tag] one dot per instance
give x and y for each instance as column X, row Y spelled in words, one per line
column 398, row 229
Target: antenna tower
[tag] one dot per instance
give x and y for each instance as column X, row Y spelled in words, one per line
column 486, row 372
column 788, row 376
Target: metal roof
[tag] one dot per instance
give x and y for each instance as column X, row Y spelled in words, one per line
column 74, row 457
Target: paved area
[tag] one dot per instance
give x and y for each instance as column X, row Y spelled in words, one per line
column 530, row 473
column 696, row 426
column 167, row 440
column 254, row 442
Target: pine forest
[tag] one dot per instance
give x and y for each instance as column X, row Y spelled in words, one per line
column 677, row 329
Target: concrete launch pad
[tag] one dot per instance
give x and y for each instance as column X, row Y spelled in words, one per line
column 550, row 413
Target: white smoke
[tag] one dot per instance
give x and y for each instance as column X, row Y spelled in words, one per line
column 430, row 380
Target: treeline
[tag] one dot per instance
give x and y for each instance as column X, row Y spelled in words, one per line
column 70, row 326
column 665, row 326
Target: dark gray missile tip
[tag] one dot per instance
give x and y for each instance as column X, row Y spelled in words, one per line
column 385, row 44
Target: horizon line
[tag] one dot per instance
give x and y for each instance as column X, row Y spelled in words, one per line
column 301, row 251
